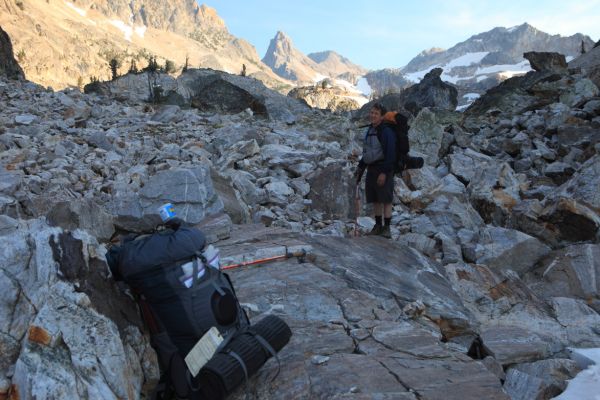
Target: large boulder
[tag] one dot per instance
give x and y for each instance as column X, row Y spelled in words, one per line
column 66, row 330
column 511, row 97
column 136, row 88
column 425, row 136
column 329, row 98
column 8, row 65
column 547, row 61
column 431, row 92
column 190, row 190
column 332, row 192
column 219, row 91
column 205, row 89
column 494, row 190
column 570, row 272
column 505, row 249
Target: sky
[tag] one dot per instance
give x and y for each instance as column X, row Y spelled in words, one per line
column 380, row 34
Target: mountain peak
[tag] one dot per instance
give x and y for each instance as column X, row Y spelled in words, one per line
column 207, row 17
column 288, row 62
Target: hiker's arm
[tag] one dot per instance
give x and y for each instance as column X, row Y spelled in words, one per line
column 360, row 170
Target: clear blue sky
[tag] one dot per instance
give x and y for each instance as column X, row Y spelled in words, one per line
column 388, row 34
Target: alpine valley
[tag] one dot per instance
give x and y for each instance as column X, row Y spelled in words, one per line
column 489, row 287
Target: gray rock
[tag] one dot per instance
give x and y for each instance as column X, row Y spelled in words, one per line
column 167, row 113
column 553, row 374
column 569, row 219
column 522, row 386
column 426, row 135
column 419, row 242
column 511, row 344
column 581, row 323
column 25, row 119
column 234, row 207
column 465, row 163
column 450, row 214
column 510, row 249
column 216, row 227
column 189, row 190
column 7, row 225
column 592, row 107
column 332, row 192
column 560, row 172
column 82, row 214
column 569, row 272
column 493, row 191
column 583, row 186
column 582, row 90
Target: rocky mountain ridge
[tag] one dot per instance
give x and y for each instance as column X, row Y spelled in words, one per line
column 482, row 61
column 503, row 46
column 337, row 66
column 66, row 44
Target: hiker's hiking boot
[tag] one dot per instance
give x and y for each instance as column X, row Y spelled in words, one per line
column 385, row 232
column 376, row 230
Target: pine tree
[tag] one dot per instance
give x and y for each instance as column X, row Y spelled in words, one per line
column 114, row 65
column 170, row 67
column 186, row 65
column 133, row 69
column 152, row 65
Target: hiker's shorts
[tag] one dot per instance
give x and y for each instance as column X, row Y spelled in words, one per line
column 375, row 193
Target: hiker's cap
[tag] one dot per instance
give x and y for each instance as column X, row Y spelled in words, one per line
column 167, row 212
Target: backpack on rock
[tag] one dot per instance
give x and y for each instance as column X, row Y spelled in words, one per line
column 188, row 304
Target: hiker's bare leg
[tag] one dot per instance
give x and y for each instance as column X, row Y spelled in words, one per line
column 378, row 209
column 387, row 210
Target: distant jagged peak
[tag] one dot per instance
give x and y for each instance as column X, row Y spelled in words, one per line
column 430, row 51
column 282, row 47
column 334, row 64
column 282, row 37
column 208, row 17
column 288, row 62
column 283, row 43
column 321, row 56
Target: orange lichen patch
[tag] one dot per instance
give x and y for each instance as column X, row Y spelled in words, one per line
column 463, row 275
column 500, row 290
column 39, row 335
column 507, row 200
column 13, row 393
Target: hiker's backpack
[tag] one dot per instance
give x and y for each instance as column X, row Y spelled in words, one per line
column 181, row 297
column 399, row 124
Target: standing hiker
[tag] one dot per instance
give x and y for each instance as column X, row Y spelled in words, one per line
column 379, row 158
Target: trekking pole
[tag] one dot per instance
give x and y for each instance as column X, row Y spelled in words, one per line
column 356, row 208
column 300, row 254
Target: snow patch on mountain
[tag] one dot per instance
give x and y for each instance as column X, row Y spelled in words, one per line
column 462, row 61
column 505, row 69
column 363, row 86
column 78, row 10
column 355, row 92
column 467, row 59
column 128, row 30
